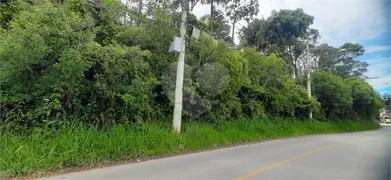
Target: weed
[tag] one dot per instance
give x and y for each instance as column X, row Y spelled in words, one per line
column 84, row 145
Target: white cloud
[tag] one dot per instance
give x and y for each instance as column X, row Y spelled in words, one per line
column 201, row 10
column 380, row 83
column 347, row 20
column 338, row 21
column 380, row 67
column 372, row 49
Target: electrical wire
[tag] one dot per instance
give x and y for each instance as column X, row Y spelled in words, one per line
column 285, row 3
column 332, row 58
column 270, row 5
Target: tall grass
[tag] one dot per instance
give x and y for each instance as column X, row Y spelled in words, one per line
column 84, row 145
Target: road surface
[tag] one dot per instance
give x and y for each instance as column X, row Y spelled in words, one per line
column 360, row 155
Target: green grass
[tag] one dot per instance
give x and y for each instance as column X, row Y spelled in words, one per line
column 82, row 145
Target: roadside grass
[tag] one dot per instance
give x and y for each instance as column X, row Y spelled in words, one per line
column 84, row 145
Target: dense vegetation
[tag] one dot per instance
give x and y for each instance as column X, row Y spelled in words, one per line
column 78, row 60
column 82, row 145
column 99, row 64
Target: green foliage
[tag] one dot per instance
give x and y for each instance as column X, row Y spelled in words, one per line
column 120, row 78
column 272, row 87
column 285, row 33
column 328, row 56
column 219, row 75
column 341, row 60
column 333, row 94
column 366, row 102
column 86, row 60
column 220, row 29
column 213, row 79
column 41, row 40
column 237, row 10
column 155, row 37
column 8, row 8
column 276, row 33
column 51, row 50
column 348, row 66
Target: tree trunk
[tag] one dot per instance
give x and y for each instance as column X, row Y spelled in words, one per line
column 293, row 62
column 233, row 29
column 127, row 12
column 211, row 15
column 140, row 8
column 295, row 69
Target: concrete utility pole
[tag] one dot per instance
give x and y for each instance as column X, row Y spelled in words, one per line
column 180, row 71
column 309, row 77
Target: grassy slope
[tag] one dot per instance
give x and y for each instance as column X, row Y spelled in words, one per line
column 84, row 145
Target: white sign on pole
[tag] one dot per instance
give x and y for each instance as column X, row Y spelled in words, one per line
column 175, row 45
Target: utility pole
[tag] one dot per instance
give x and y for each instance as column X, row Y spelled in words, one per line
column 140, row 8
column 308, row 77
column 180, row 71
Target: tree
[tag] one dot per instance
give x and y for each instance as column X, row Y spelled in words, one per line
column 334, row 95
column 238, row 10
column 213, row 11
column 341, row 60
column 349, row 66
column 366, row 102
column 271, row 90
column 69, row 74
column 191, row 20
column 327, row 56
column 220, row 25
column 226, row 103
column 387, row 102
column 80, row 60
column 285, row 33
column 272, row 34
column 168, row 7
column 253, row 35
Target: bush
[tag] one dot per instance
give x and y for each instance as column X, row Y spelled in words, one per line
column 366, row 102
column 52, row 69
column 333, row 94
column 271, row 90
column 84, row 60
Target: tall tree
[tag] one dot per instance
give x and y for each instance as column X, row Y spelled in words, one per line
column 341, row 61
column 350, row 66
column 273, row 34
column 327, row 56
column 213, row 10
column 295, row 52
column 238, row 10
column 285, row 32
column 220, row 25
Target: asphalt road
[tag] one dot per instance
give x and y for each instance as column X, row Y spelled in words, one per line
column 361, row 155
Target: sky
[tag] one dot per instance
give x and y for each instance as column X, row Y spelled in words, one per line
column 366, row 22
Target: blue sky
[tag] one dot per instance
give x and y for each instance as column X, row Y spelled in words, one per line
column 366, row 22
column 378, row 56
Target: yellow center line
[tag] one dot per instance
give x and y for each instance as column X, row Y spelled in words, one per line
column 251, row 174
